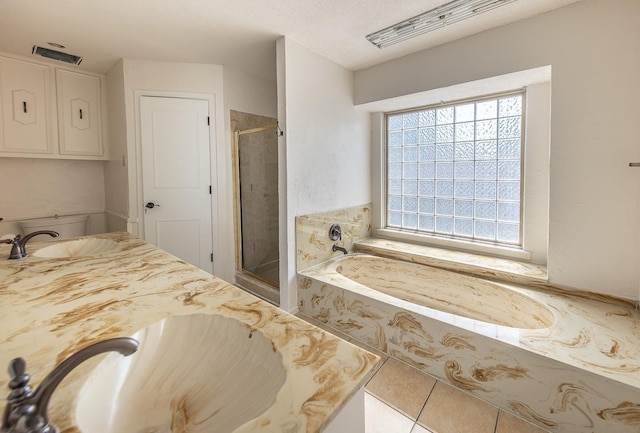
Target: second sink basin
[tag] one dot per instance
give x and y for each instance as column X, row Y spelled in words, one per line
column 76, row 248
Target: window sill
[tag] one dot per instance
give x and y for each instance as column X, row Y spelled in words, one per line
column 475, row 264
column 454, row 243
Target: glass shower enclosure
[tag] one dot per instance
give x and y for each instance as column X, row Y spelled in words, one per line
column 256, row 202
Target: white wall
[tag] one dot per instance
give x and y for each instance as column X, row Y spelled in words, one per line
column 325, row 149
column 594, row 50
column 249, row 94
column 115, row 170
column 36, row 188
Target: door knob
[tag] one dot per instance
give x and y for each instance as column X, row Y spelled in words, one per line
column 151, row 205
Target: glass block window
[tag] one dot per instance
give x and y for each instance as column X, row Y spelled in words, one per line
column 456, row 170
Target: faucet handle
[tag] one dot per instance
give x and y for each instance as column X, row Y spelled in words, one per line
column 19, row 380
column 17, row 367
column 17, row 413
column 335, row 232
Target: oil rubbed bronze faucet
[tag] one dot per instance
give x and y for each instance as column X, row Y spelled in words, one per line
column 336, row 247
column 335, row 234
column 18, row 250
column 26, row 411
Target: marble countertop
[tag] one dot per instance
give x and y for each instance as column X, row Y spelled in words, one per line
column 51, row 308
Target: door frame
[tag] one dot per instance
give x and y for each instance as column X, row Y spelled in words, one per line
column 136, row 192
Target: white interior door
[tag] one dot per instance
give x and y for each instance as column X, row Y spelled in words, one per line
column 176, row 173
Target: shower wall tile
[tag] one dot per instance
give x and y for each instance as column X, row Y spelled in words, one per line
column 241, row 121
column 312, row 233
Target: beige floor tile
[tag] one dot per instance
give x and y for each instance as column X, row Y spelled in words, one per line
column 508, row 423
column 419, row 429
column 449, row 410
column 401, row 386
column 380, row 418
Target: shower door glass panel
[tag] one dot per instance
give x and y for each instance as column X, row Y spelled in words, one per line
column 258, row 173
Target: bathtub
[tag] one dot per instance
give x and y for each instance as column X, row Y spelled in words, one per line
column 566, row 363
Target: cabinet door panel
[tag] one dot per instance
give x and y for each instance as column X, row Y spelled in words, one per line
column 25, row 123
column 80, row 130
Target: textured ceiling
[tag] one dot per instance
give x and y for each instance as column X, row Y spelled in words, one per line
column 236, row 33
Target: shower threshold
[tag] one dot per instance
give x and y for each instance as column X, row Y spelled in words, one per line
column 258, row 286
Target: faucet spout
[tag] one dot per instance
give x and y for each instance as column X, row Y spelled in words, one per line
column 26, row 411
column 18, row 250
column 26, row 238
column 336, row 247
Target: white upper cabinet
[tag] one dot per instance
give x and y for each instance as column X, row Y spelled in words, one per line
column 79, row 122
column 50, row 112
column 25, row 108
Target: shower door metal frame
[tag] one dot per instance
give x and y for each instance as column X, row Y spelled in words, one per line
column 237, row 205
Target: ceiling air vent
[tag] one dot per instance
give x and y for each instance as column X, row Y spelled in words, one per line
column 56, row 55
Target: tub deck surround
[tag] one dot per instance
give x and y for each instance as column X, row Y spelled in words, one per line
column 575, row 370
column 51, row 308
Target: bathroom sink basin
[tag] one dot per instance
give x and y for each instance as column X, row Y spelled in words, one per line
column 76, row 248
column 195, row 373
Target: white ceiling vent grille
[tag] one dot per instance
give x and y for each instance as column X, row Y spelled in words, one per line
column 56, row 55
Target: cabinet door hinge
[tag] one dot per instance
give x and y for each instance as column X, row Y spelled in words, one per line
column 208, row 120
column 210, row 191
column 211, row 257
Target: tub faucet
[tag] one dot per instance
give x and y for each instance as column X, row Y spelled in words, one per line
column 18, row 250
column 339, row 248
column 26, row 411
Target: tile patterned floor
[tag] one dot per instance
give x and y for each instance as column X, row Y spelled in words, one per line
column 401, row 399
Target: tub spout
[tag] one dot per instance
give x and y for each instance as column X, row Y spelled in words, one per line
column 19, row 243
column 26, row 411
column 336, row 247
